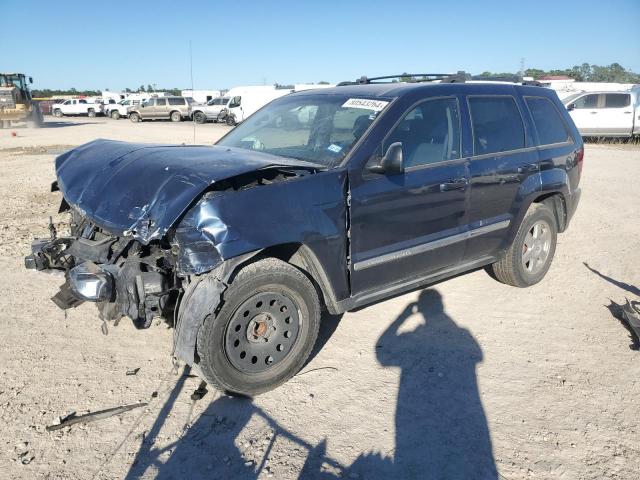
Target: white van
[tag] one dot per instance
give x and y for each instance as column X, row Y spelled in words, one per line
column 244, row 101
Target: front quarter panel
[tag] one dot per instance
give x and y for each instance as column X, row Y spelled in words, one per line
column 308, row 210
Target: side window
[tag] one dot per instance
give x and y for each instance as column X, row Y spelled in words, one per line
column 588, row 101
column 161, row 102
column 429, row 133
column 82, row 102
column 549, row 125
column 617, row 100
column 497, row 125
column 176, row 101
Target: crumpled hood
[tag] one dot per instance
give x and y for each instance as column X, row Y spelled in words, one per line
column 142, row 189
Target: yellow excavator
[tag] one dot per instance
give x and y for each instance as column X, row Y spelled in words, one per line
column 16, row 103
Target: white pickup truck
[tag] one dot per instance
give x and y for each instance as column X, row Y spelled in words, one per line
column 606, row 114
column 80, row 106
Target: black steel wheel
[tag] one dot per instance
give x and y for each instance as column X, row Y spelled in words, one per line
column 264, row 331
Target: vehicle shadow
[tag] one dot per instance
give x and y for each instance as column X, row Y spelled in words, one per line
column 441, row 428
column 624, row 286
column 56, row 124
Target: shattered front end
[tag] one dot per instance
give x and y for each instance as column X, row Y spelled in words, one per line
column 121, row 275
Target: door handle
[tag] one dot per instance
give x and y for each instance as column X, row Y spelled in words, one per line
column 627, row 112
column 457, row 184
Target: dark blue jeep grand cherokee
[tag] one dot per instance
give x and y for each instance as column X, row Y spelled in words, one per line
column 329, row 199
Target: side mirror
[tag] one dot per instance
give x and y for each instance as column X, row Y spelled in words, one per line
column 571, row 106
column 30, row 79
column 391, row 162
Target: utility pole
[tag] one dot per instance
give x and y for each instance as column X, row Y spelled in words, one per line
column 521, row 69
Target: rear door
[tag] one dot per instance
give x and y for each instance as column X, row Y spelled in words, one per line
column 585, row 114
column 504, row 156
column 616, row 116
column 162, row 109
column 405, row 226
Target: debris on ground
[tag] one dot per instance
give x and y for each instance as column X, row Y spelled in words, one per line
column 199, row 392
column 94, row 416
column 133, row 371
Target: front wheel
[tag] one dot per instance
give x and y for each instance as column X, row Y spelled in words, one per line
column 264, row 331
column 199, row 117
column 91, row 113
column 528, row 259
column 58, row 113
column 134, row 117
column 231, row 120
column 115, row 114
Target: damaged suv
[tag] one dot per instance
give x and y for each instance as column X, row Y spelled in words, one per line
column 322, row 200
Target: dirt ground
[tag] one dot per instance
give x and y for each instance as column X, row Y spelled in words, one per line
column 462, row 380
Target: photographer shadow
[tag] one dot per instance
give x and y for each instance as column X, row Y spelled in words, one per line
column 441, row 430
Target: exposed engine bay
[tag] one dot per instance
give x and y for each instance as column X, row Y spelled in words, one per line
column 123, row 276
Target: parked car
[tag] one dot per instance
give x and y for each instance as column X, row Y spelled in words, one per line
column 244, row 101
column 212, row 110
column 161, row 108
column 121, row 109
column 606, row 114
column 380, row 189
column 80, row 106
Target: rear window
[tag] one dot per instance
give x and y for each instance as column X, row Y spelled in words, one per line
column 617, row 100
column 176, row 101
column 497, row 125
column 549, row 125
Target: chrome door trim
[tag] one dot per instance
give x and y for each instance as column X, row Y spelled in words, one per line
column 425, row 247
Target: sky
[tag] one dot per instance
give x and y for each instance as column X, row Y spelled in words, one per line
column 92, row 44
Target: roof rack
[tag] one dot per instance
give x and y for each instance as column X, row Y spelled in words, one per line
column 459, row 77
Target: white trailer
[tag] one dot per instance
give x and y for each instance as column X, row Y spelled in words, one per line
column 244, row 101
column 201, row 96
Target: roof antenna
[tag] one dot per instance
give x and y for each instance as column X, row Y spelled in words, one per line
column 192, row 91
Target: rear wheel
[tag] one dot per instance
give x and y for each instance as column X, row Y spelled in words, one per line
column 264, row 331
column 115, row 114
column 134, row 117
column 176, row 117
column 199, row 117
column 529, row 257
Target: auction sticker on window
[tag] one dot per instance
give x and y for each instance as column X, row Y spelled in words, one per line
column 365, row 103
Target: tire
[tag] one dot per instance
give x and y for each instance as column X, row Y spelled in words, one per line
column 231, row 120
column 134, row 117
column 264, row 331
column 91, row 113
column 176, row 117
column 115, row 114
column 199, row 117
column 58, row 113
column 529, row 257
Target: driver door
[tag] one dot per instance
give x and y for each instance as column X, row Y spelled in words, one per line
column 411, row 224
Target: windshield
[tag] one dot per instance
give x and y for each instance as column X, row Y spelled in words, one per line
column 570, row 98
column 317, row 128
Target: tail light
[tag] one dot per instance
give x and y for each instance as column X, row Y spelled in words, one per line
column 579, row 158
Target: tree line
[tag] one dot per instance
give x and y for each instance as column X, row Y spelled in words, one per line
column 615, row 73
